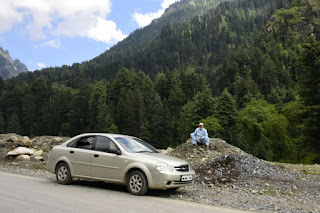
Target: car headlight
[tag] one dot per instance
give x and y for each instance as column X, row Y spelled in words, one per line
column 160, row 166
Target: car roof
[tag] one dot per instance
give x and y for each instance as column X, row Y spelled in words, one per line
column 105, row 134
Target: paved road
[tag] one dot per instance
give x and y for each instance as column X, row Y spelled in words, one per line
column 28, row 194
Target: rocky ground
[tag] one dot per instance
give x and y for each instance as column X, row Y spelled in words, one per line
column 226, row 176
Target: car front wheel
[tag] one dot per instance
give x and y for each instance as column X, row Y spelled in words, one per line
column 137, row 183
column 63, row 174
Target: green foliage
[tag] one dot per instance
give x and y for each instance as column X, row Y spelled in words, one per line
column 194, row 111
column 14, row 125
column 79, row 110
column 212, row 126
column 310, row 87
column 264, row 130
column 2, row 124
column 295, row 112
column 225, row 110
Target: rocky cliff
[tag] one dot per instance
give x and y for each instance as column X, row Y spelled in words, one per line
column 8, row 67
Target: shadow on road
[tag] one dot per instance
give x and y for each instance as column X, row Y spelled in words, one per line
column 121, row 188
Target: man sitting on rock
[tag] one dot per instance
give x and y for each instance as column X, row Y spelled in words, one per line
column 200, row 136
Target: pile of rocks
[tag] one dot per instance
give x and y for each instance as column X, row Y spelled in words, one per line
column 16, row 147
column 228, row 165
column 226, row 175
column 199, row 155
column 239, row 167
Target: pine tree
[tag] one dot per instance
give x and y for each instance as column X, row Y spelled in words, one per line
column 28, row 114
column 226, row 113
column 199, row 108
column 40, row 90
column 161, row 124
column 14, row 125
column 2, row 124
column 310, row 87
column 295, row 112
column 79, row 111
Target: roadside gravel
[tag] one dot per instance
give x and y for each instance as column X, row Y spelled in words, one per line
column 244, row 195
column 15, row 169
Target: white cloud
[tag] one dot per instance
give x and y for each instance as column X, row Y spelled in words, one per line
column 145, row 19
column 84, row 18
column 41, row 65
column 52, row 43
column 8, row 15
column 105, row 31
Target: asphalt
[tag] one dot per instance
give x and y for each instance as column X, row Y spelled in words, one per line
column 28, row 194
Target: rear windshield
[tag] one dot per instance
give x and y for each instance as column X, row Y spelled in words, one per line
column 135, row 145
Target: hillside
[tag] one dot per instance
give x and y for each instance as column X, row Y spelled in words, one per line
column 225, row 175
column 8, row 67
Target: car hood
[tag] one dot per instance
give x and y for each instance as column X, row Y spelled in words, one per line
column 163, row 158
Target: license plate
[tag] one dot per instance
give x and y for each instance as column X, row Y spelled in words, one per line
column 186, row 177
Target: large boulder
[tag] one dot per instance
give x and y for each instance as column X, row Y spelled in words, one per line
column 38, row 158
column 166, row 151
column 13, row 138
column 38, row 153
column 20, row 150
column 57, row 140
column 24, row 141
column 23, row 157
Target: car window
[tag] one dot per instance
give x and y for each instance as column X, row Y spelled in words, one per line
column 135, row 144
column 85, row 142
column 104, row 144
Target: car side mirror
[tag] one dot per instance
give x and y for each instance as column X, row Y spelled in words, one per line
column 114, row 150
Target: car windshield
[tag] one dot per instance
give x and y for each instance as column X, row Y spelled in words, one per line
column 135, row 145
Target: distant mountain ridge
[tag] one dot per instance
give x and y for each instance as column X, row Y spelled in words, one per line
column 182, row 11
column 8, row 67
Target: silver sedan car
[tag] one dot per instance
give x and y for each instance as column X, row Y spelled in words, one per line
column 120, row 159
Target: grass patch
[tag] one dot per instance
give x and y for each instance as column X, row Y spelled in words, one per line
column 304, row 169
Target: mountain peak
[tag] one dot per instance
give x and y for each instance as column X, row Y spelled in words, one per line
column 8, row 67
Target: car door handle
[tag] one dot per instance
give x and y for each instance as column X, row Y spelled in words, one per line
column 71, row 152
column 96, row 155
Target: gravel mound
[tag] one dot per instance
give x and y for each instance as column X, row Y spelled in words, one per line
column 236, row 167
column 199, row 155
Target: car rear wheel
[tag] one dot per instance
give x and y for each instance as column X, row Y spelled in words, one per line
column 137, row 183
column 63, row 174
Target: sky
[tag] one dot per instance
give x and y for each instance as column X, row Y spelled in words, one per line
column 52, row 33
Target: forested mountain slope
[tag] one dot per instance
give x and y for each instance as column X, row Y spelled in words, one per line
column 248, row 69
column 182, row 11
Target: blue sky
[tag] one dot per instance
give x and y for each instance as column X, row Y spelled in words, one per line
column 50, row 33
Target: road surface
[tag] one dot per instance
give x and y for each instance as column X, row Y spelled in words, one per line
column 28, row 194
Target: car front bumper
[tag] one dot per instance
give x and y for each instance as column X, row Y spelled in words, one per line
column 167, row 180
